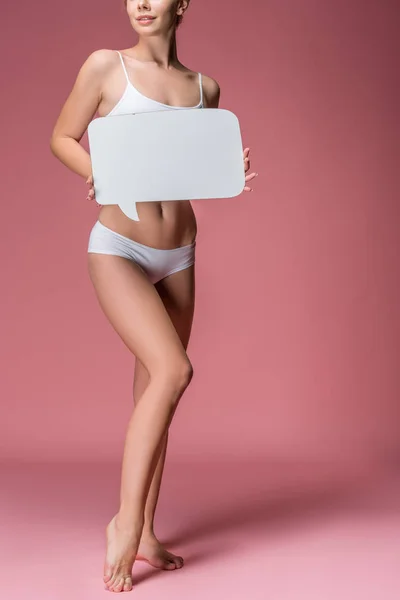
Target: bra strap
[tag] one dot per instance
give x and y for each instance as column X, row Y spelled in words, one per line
column 201, row 89
column 123, row 66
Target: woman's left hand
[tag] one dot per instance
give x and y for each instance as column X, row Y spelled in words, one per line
column 91, row 193
column 246, row 161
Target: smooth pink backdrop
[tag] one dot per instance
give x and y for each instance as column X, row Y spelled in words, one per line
column 295, row 342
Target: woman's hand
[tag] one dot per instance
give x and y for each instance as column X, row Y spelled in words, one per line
column 246, row 161
column 91, row 195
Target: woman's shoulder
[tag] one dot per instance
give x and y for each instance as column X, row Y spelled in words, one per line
column 100, row 60
column 210, row 83
column 211, row 90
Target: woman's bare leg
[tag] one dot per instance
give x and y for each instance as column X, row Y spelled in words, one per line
column 177, row 292
column 138, row 315
column 150, row 549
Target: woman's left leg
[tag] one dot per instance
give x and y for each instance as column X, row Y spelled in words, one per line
column 177, row 292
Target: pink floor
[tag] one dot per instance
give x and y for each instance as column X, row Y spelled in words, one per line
column 253, row 530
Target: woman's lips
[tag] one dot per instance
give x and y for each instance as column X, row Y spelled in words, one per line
column 145, row 21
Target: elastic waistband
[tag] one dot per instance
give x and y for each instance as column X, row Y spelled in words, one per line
column 129, row 240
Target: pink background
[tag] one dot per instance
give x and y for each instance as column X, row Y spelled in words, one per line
column 295, row 342
column 279, row 483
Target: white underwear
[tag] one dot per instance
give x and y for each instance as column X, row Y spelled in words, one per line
column 155, row 262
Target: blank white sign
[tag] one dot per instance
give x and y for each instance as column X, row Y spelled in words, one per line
column 166, row 155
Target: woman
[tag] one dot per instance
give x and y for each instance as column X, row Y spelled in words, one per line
column 142, row 270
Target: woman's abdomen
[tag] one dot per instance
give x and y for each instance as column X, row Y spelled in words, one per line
column 163, row 225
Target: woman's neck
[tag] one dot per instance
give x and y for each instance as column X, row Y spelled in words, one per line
column 161, row 51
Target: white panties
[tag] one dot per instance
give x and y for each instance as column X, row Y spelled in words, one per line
column 155, row 262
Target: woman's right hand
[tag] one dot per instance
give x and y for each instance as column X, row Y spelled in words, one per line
column 91, row 195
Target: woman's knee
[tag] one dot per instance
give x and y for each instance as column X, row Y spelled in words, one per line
column 186, row 373
column 176, row 374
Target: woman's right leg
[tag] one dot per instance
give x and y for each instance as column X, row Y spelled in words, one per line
column 138, row 315
column 177, row 292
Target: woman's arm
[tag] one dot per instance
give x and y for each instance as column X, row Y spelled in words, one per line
column 77, row 112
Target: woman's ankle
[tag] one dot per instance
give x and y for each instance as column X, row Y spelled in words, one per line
column 148, row 530
column 128, row 521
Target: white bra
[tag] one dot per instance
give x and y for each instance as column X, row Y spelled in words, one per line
column 133, row 101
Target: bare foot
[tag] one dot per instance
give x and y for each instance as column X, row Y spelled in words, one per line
column 121, row 551
column 152, row 551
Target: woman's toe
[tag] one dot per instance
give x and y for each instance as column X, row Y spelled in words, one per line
column 113, row 581
column 128, row 584
column 118, row 585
